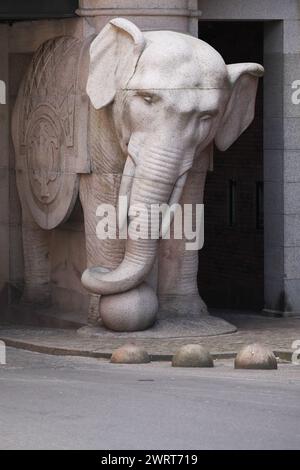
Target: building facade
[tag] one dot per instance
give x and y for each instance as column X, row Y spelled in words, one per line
column 251, row 257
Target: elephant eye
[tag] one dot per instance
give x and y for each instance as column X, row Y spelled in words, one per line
column 148, row 98
column 206, row 117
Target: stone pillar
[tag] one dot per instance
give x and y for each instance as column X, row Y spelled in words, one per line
column 4, row 170
column 287, row 165
column 282, row 167
column 176, row 15
column 291, row 169
column 273, row 168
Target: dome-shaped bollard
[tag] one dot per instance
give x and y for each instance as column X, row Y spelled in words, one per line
column 255, row 356
column 192, row 355
column 130, row 354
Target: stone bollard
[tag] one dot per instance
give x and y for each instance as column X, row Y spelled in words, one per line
column 130, row 354
column 255, row 356
column 192, row 355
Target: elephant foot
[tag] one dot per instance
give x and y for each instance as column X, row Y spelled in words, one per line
column 181, row 306
column 134, row 310
column 38, row 294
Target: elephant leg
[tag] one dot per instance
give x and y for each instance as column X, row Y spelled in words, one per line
column 125, row 312
column 95, row 190
column 178, row 267
column 36, row 260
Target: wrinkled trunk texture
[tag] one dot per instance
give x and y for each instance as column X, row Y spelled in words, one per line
column 153, row 183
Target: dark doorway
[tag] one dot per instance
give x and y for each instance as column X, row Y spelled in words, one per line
column 231, row 262
column 34, row 9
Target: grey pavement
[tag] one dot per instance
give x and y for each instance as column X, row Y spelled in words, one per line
column 276, row 333
column 51, row 402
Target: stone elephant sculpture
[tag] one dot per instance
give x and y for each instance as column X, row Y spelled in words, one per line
column 131, row 113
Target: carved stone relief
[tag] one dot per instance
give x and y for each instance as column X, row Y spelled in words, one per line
column 48, row 137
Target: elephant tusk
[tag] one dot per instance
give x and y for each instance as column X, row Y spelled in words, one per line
column 125, row 191
column 178, row 188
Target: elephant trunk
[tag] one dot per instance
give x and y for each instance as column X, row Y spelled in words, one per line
column 156, row 181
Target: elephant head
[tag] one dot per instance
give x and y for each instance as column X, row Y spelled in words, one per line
column 171, row 96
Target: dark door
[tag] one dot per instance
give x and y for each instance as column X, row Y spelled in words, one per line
column 32, row 9
column 231, row 262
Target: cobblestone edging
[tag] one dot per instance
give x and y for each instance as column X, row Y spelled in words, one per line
column 276, row 333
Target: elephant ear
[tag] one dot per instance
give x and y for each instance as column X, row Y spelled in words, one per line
column 113, row 57
column 240, row 109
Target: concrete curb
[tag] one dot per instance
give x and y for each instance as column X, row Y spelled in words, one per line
column 284, row 355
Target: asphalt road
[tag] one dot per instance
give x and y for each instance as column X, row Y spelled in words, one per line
column 49, row 402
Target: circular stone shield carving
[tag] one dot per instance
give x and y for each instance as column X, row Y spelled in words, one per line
column 52, row 126
column 44, row 157
column 51, row 185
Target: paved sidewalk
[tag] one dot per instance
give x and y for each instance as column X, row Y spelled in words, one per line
column 277, row 333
